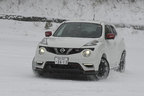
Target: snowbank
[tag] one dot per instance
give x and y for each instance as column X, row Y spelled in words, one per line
column 115, row 11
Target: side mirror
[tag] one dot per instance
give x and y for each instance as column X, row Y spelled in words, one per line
column 110, row 36
column 48, row 33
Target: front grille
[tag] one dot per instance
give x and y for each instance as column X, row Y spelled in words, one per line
column 72, row 67
column 65, row 51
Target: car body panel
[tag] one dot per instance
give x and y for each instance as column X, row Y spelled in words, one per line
column 111, row 48
column 67, row 42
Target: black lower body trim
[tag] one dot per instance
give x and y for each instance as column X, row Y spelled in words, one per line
column 71, row 68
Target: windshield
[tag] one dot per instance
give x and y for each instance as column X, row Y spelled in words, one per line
column 82, row 30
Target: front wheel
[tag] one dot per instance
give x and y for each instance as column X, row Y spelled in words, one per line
column 103, row 70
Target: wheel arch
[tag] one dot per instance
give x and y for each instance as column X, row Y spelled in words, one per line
column 104, row 56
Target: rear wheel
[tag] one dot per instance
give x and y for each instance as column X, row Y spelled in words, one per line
column 121, row 67
column 103, row 70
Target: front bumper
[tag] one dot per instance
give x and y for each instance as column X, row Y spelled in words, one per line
column 75, row 65
column 71, row 68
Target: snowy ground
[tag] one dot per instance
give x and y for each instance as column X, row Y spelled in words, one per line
column 18, row 41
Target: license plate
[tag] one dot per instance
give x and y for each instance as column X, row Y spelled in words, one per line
column 61, row 60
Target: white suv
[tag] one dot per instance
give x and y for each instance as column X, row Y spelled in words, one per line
column 81, row 47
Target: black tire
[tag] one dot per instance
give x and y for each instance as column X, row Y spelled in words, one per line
column 121, row 67
column 103, row 70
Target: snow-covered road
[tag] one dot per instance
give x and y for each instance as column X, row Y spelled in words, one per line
column 18, row 41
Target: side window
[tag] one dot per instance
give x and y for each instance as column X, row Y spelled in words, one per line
column 113, row 29
column 107, row 29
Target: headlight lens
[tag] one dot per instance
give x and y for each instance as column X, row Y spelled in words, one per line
column 86, row 53
column 41, row 50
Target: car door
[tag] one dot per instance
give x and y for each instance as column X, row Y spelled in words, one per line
column 110, row 46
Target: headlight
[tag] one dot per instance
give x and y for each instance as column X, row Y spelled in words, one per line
column 86, row 53
column 41, row 50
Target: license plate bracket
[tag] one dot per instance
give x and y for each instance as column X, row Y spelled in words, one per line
column 61, row 60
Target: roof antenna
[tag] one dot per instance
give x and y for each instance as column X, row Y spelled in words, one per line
column 94, row 17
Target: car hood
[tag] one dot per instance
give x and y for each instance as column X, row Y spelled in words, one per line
column 68, row 42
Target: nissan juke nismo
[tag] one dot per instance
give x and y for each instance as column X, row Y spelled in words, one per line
column 80, row 47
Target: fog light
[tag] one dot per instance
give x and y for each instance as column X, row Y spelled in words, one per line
column 88, row 65
column 39, row 62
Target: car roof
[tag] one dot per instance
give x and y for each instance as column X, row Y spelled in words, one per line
column 84, row 22
column 96, row 22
